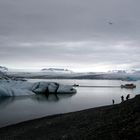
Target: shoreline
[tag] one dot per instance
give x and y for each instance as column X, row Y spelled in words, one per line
column 115, row 122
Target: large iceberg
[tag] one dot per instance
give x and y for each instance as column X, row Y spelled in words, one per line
column 23, row 88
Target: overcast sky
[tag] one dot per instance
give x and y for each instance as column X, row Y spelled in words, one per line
column 82, row 35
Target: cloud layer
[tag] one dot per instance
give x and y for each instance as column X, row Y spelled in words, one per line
column 83, row 35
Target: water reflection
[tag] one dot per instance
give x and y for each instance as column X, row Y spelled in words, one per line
column 51, row 97
column 5, row 101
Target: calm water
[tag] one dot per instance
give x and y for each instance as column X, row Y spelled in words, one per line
column 17, row 109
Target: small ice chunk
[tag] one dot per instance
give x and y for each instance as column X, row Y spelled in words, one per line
column 66, row 89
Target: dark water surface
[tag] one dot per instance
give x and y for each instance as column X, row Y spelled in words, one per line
column 17, row 109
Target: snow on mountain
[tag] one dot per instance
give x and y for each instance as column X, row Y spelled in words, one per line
column 3, row 69
column 56, row 70
column 38, row 73
column 118, row 71
column 3, row 76
column 136, row 71
column 59, row 73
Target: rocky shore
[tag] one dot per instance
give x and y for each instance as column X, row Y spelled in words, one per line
column 114, row 122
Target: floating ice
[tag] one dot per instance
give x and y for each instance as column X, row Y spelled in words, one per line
column 22, row 88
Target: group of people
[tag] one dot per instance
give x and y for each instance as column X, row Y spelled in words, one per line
column 122, row 98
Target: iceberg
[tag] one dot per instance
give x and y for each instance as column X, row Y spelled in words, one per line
column 52, row 87
column 15, row 88
column 66, row 89
column 23, row 88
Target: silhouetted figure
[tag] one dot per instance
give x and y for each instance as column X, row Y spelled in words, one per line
column 122, row 98
column 128, row 96
column 113, row 101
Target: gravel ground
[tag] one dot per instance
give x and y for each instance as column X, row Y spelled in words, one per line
column 115, row 122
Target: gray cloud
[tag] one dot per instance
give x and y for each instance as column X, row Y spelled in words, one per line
column 70, row 33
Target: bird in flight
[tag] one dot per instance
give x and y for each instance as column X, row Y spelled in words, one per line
column 110, row 23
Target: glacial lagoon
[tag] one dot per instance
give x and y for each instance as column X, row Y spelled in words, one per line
column 18, row 109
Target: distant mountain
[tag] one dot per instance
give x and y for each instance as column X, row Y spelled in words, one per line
column 3, row 69
column 58, row 73
column 3, row 76
column 56, row 70
column 118, row 71
column 136, row 71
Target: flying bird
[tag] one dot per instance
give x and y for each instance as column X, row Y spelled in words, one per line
column 110, row 23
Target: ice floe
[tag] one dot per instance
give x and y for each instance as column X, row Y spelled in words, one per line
column 21, row 88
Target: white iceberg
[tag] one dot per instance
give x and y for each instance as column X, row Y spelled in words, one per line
column 22, row 88
column 66, row 89
column 15, row 88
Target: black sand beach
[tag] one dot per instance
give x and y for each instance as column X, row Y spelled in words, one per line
column 114, row 122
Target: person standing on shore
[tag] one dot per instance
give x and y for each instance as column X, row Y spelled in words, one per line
column 122, row 98
column 113, row 101
column 128, row 96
